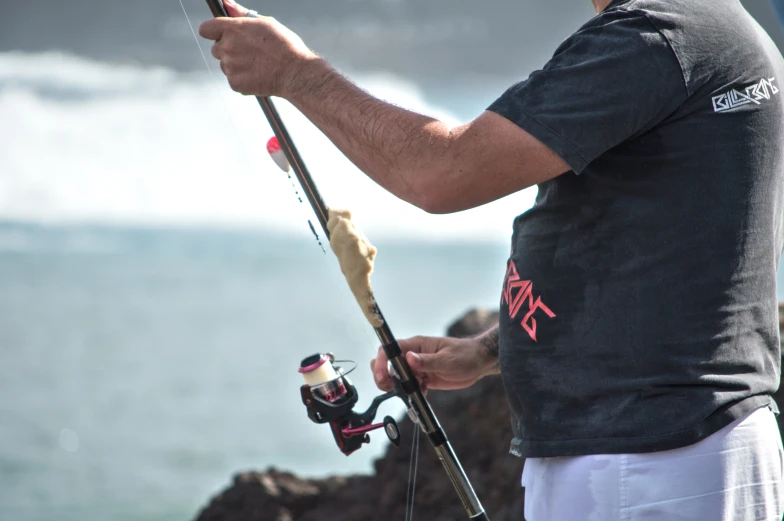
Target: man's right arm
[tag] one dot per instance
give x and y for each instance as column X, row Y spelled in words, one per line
column 444, row 362
column 490, row 341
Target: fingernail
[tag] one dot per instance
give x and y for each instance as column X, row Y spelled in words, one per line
column 229, row 2
column 416, row 358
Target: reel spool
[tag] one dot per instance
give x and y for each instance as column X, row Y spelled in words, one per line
column 323, row 377
column 330, row 397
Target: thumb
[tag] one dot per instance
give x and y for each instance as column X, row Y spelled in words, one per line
column 426, row 362
column 234, row 9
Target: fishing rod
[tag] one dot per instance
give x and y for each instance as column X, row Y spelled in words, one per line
column 335, row 396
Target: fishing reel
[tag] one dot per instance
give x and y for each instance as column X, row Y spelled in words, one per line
column 330, row 397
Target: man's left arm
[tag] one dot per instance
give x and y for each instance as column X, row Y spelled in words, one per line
column 438, row 168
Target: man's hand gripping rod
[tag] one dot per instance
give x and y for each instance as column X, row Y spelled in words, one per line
column 407, row 381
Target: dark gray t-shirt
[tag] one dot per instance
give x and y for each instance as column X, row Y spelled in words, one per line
column 639, row 307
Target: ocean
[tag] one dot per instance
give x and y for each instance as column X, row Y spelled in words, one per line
column 141, row 368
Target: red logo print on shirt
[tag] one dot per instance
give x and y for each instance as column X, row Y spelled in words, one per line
column 518, row 292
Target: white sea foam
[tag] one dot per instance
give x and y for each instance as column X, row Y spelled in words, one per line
column 82, row 141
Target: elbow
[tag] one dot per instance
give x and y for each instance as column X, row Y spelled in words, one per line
column 431, row 197
column 433, row 188
column 435, row 204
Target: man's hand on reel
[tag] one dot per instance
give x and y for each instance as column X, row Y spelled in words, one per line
column 441, row 362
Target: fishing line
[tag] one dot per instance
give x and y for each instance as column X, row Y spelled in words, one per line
column 413, row 463
column 215, row 84
column 271, row 149
column 232, row 123
column 277, row 155
column 338, row 395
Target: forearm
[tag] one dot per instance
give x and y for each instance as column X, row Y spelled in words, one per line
column 404, row 152
column 437, row 167
column 490, row 350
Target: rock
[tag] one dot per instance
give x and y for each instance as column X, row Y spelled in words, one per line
column 274, row 496
column 475, row 419
column 472, row 323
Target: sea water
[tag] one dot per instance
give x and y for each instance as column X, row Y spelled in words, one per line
column 141, row 368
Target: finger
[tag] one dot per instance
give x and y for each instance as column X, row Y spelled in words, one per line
column 412, row 349
column 214, row 29
column 374, row 364
column 216, row 50
column 419, row 344
column 427, row 363
column 234, row 9
column 380, row 373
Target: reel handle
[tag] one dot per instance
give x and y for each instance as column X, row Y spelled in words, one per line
column 389, row 425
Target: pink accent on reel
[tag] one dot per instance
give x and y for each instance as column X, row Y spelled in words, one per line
column 336, row 390
column 358, row 431
column 314, row 366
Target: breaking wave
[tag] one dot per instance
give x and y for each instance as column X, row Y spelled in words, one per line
column 89, row 142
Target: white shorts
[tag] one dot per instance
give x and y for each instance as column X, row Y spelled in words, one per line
column 733, row 475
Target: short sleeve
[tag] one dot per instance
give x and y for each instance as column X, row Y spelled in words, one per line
column 615, row 78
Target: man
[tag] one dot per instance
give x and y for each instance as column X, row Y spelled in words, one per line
column 638, row 340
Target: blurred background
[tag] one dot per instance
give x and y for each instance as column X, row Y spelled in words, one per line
column 158, row 281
